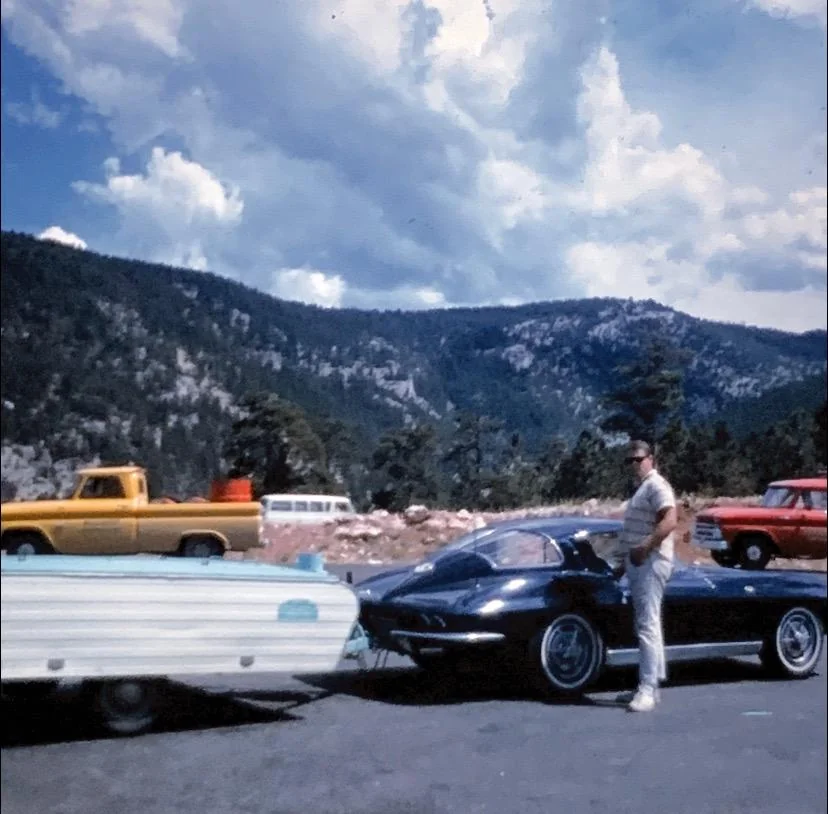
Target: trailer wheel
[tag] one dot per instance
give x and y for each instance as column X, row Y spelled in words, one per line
column 127, row 706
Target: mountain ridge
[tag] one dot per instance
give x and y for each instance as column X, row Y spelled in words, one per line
column 123, row 359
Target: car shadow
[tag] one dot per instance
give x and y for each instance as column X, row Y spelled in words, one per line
column 411, row 686
column 68, row 716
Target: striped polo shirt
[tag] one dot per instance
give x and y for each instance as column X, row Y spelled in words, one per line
column 640, row 518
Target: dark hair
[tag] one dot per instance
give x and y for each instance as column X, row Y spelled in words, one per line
column 640, row 448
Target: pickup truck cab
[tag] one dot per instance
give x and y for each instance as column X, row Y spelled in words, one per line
column 109, row 512
column 789, row 523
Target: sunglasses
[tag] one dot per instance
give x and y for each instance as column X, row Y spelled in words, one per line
column 636, row 459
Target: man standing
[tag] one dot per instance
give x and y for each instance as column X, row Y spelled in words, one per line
column 647, row 542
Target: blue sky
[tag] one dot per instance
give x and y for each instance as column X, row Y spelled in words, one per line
column 416, row 154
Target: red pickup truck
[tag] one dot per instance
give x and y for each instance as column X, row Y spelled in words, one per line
column 790, row 522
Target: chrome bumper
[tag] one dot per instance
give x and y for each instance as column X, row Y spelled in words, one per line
column 709, row 536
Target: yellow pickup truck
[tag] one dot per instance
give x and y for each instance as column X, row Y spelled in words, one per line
column 109, row 512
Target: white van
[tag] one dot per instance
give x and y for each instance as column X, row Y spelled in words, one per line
column 304, row 508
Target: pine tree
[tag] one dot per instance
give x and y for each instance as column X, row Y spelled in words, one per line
column 274, row 444
column 650, row 395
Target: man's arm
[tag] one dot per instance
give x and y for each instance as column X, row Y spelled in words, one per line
column 666, row 522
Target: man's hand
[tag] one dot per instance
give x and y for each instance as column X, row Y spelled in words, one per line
column 639, row 554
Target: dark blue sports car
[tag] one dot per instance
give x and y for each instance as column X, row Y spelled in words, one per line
column 542, row 592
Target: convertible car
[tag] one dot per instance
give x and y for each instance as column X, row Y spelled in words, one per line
column 543, row 592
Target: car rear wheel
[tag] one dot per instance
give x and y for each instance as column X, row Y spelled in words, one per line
column 568, row 654
column 795, row 647
column 755, row 552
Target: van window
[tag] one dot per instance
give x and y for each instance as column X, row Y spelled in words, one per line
column 280, row 506
column 342, row 506
column 317, row 506
column 300, row 505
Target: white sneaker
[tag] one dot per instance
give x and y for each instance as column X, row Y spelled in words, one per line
column 627, row 697
column 644, row 701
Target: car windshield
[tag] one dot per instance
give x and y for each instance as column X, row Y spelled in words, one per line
column 776, row 496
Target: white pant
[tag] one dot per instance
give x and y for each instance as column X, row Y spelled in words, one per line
column 647, row 584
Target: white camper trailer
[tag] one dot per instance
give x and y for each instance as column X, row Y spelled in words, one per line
column 120, row 622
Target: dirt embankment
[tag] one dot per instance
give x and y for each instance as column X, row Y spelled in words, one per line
column 384, row 538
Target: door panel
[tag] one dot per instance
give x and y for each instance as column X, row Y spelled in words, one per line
column 689, row 613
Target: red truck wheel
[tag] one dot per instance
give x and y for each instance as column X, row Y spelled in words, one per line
column 755, row 552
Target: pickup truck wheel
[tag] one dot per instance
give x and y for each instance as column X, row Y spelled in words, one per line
column 202, row 547
column 27, row 544
column 755, row 552
column 568, row 655
column 127, row 706
column 794, row 648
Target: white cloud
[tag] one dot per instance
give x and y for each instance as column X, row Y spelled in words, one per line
column 447, row 152
column 156, row 22
column 191, row 257
column 804, row 219
column 176, row 208
column 801, row 10
column 729, row 301
column 172, row 187
column 626, row 159
column 60, row 235
column 34, row 112
column 308, row 285
column 645, row 271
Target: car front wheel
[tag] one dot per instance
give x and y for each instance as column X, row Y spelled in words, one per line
column 795, row 647
column 568, row 654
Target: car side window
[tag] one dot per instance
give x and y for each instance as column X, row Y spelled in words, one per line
column 816, row 499
column 520, row 549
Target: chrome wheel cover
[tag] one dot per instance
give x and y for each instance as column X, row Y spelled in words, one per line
column 799, row 640
column 754, row 552
column 570, row 652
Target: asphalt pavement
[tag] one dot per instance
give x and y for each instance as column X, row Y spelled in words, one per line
column 397, row 740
